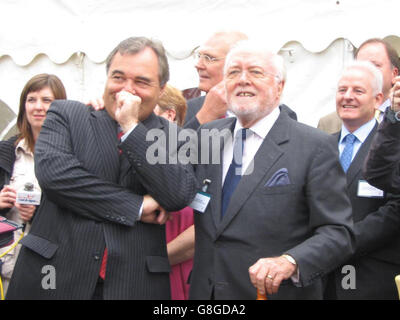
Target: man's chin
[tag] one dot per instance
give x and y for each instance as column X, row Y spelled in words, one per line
column 204, row 86
column 243, row 110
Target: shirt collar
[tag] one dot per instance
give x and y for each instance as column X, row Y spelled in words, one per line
column 361, row 133
column 386, row 104
column 22, row 147
column 262, row 127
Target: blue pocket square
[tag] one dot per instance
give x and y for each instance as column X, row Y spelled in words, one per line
column 279, row 178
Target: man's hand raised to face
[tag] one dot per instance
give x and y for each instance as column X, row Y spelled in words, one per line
column 127, row 110
column 214, row 106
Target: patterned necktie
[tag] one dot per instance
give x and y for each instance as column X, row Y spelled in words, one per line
column 345, row 158
column 235, row 170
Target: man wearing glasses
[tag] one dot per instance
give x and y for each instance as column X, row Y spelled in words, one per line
column 210, row 59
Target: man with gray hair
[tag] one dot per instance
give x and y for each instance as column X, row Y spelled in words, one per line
column 278, row 218
column 99, row 227
column 382, row 54
column 210, row 59
column 370, row 273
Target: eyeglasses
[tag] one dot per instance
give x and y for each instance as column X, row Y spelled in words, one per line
column 207, row 59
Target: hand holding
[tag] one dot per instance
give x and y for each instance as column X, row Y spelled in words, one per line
column 127, row 111
column 8, row 195
column 267, row 274
column 25, row 211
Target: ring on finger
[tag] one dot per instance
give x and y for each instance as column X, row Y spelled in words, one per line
column 270, row 277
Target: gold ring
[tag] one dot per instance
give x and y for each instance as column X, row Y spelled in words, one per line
column 270, row 277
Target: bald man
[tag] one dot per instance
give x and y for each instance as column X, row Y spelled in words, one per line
column 210, row 59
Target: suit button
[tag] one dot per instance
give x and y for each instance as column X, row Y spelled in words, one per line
column 96, row 257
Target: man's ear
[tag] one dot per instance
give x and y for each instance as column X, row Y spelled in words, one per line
column 171, row 115
column 378, row 100
column 281, row 86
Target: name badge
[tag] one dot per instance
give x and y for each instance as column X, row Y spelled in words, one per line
column 367, row 191
column 200, row 202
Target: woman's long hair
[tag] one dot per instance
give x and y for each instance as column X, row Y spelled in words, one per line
column 35, row 84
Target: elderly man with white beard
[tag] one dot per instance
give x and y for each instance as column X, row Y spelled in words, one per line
column 278, row 217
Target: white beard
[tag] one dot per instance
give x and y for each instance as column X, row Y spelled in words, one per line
column 244, row 111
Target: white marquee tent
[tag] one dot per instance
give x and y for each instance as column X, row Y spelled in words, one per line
column 71, row 38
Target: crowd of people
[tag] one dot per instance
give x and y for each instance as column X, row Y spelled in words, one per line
column 250, row 203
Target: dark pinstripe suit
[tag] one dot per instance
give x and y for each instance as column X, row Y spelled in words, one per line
column 84, row 209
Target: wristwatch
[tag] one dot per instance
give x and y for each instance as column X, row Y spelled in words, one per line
column 290, row 259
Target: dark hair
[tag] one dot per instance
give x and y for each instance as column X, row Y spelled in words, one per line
column 36, row 83
column 391, row 52
column 135, row 45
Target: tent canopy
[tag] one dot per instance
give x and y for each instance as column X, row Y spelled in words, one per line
column 60, row 28
column 72, row 39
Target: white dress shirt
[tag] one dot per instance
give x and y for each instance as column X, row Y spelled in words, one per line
column 253, row 142
column 361, row 133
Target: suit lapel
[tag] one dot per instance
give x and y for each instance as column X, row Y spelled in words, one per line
column 267, row 155
column 105, row 135
column 358, row 161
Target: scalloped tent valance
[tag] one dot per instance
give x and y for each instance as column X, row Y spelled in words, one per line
column 61, row 28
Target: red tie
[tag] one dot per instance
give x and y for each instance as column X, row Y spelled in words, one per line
column 120, row 134
column 102, row 273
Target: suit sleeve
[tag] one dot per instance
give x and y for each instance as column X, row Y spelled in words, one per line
column 331, row 240
column 193, row 123
column 378, row 228
column 65, row 181
column 382, row 166
column 170, row 182
column 193, row 106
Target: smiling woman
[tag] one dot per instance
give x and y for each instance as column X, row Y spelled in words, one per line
column 37, row 94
